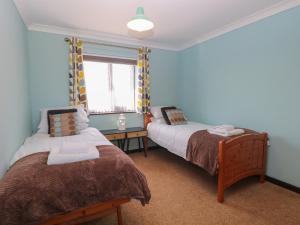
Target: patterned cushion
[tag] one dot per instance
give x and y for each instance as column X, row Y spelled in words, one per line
column 59, row 111
column 176, row 116
column 163, row 112
column 62, row 123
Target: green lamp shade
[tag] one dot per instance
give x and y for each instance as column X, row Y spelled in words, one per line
column 140, row 22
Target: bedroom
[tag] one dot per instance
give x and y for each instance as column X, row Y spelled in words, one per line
column 241, row 69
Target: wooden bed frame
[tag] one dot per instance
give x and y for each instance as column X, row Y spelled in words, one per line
column 89, row 213
column 238, row 158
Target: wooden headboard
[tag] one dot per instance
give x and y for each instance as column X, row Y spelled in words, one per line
column 147, row 120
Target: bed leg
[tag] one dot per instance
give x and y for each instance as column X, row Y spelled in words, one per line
column 220, row 188
column 221, row 173
column 262, row 178
column 262, row 175
column 220, row 194
column 119, row 215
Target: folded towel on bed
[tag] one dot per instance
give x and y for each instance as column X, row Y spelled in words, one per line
column 56, row 157
column 74, row 147
column 224, row 127
column 226, row 133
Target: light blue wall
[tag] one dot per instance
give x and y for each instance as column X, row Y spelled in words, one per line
column 15, row 106
column 48, row 55
column 250, row 78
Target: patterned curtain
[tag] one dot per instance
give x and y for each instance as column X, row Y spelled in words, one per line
column 77, row 90
column 143, row 99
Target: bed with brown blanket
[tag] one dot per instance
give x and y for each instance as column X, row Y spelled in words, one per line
column 230, row 158
column 32, row 192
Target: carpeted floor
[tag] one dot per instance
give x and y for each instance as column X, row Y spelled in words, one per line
column 183, row 194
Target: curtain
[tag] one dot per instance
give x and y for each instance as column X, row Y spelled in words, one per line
column 77, row 89
column 143, row 95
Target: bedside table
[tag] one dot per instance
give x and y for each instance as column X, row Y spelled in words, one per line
column 115, row 135
column 123, row 137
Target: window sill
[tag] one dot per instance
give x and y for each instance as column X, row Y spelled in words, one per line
column 109, row 113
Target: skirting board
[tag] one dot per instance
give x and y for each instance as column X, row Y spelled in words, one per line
column 283, row 184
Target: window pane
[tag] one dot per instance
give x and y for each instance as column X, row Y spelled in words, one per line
column 97, row 85
column 110, row 87
column 123, row 87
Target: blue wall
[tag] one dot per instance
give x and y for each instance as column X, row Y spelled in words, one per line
column 250, row 78
column 15, row 106
column 48, row 55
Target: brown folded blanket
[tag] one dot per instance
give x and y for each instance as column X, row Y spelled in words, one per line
column 32, row 192
column 203, row 147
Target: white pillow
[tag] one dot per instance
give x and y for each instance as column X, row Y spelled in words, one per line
column 158, row 121
column 156, row 111
column 82, row 118
column 82, row 126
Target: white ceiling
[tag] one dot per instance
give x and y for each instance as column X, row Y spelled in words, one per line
column 178, row 23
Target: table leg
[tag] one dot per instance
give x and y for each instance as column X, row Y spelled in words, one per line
column 123, row 144
column 128, row 142
column 145, row 144
column 139, row 140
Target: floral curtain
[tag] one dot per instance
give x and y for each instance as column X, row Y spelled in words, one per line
column 77, row 90
column 143, row 96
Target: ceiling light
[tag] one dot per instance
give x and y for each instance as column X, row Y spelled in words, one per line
column 140, row 22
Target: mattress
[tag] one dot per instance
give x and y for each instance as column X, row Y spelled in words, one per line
column 42, row 142
column 174, row 138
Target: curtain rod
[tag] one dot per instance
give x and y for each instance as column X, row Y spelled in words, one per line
column 104, row 44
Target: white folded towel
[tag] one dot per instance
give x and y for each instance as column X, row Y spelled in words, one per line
column 226, row 133
column 224, row 127
column 73, row 148
column 56, row 157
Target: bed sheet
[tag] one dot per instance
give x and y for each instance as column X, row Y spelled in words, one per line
column 174, row 138
column 41, row 142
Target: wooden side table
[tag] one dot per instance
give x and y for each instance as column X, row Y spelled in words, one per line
column 138, row 133
column 115, row 135
column 123, row 137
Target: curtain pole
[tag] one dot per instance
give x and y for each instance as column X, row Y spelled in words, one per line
column 104, row 44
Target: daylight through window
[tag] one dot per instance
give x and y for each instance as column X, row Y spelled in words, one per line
column 110, row 84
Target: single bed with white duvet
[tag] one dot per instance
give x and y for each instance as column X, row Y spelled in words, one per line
column 174, row 138
column 42, row 142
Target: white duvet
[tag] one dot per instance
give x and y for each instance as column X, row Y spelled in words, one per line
column 41, row 142
column 174, row 138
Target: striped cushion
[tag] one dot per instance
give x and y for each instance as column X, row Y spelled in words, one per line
column 176, row 116
column 58, row 111
column 163, row 112
column 63, row 124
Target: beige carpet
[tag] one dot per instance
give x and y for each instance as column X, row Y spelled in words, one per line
column 184, row 194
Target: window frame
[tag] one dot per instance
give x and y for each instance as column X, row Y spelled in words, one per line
column 114, row 60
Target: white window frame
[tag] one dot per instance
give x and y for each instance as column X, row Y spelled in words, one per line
column 110, row 61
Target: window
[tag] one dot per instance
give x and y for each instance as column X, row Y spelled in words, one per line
column 110, row 84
